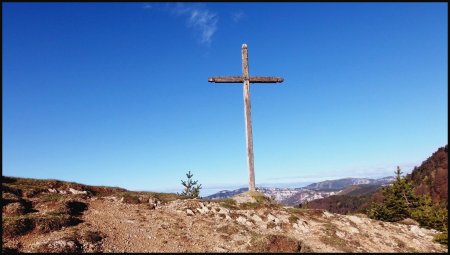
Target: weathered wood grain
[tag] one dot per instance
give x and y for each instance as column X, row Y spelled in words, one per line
column 248, row 119
column 240, row 79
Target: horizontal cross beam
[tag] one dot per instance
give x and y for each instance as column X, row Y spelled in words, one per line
column 240, row 79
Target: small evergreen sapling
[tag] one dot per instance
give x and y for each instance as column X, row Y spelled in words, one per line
column 191, row 188
column 398, row 200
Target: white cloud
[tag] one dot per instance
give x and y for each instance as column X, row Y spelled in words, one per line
column 147, row 6
column 237, row 16
column 202, row 20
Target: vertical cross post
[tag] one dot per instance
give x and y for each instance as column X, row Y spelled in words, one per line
column 248, row 119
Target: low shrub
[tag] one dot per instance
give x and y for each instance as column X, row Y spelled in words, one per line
column 48, row 223
column 441, row 238
column 228, row 203
column 293, row 219
column 274, row 243
column 131, row 199
column 16, row 226
column 92, row 236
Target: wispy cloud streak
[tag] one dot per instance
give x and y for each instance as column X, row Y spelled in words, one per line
column 147, row 6
column 237, row 16
column 202, row 20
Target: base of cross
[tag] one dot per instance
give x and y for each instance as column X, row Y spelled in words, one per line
column 253, row 197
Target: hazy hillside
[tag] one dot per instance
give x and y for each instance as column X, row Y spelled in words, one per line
column 226, row 193
column 343, row 183
column 285, row 196
column 359, row 190
column 352, row 199
column 296, row 196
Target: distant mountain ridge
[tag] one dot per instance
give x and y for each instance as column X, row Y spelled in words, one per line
column 295, row 196
column 343, row 183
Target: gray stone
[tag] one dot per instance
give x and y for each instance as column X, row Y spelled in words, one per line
column 189, row 212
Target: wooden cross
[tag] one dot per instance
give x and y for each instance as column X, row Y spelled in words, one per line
column 246, row 79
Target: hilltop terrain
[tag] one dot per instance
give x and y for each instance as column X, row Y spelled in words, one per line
column 56, row 216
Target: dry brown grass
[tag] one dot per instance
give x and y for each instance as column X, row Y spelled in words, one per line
column 228, row 229
column 227, row 203
column 293, row 219
column 48, row 223
column 130, row 198
column 334, row 240
column 16, row 226
column 33, row 187
column 93, row 236
column 271, row 225
column 274, row 243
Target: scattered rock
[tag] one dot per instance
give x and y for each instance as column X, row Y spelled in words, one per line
column 77, row 192
column 256, row 218
column 65, row 245
column 220, row 249
column 302, row 226
column 272, row 218
column 203, row 209
column 241, row 220
column 153, row 202
column 355, row 219
column 327, row 214
column 417, row 230
column 409, row 221
column 189, row 212
column 340, row 234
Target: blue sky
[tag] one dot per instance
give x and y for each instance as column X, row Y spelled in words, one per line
column 116, row 93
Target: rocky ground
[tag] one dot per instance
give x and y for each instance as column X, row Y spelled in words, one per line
column 67, row 218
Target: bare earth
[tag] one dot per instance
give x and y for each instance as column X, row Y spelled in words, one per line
column 192, row 225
